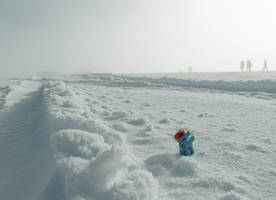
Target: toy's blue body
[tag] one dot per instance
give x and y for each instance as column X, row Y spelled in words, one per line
column 186, row 144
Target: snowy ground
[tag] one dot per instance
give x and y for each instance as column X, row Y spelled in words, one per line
column 104, row 136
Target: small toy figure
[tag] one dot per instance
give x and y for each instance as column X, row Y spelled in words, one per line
column 185, row 142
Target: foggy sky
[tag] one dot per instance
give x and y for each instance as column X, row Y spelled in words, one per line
column 70, row 36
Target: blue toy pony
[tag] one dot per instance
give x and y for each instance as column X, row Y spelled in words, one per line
column 185, row 142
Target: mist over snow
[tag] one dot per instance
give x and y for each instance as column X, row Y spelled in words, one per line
column 110, row 137
column 135, row 36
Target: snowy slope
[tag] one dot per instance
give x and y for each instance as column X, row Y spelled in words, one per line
column 108, row 136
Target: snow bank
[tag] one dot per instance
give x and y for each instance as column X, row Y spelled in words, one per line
column 17, row 92
column 78, row 143
column 93, row 169
column 184, row 168
column 174, row 164
column 92, row 157
column 137, row 185
column 14, row 91
column 4, row 91
column 65, row 108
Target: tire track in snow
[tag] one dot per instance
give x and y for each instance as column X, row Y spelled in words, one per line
column 26, row 158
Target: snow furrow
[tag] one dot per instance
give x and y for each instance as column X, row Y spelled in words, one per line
column 27, row 164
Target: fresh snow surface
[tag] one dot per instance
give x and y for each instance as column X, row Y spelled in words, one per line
column 110, row 137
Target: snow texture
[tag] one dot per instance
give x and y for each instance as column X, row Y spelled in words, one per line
column 105, row 136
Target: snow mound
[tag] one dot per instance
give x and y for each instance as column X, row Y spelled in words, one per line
column 104, row 177
column 107, row 168
column 14, row 92
column 159, row 164
column 176, row 165
column 4, row 91
column 111, row 136
column 78, row 143
column 65, row 108
column 137, row 185
column 91, row 154
column 185, row 168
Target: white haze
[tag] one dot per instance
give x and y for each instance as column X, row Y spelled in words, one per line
column 69, row 36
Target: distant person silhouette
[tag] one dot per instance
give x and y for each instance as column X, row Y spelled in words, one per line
column 242, row 65
column 249, row 65
column 265, row 66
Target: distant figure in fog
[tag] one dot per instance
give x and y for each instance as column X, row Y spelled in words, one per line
column 265, row 66
column 242, row 65
column 249, row 65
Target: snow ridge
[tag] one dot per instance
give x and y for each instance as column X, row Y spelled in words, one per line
column 93, row 159
column 268, row 86
column 167, row 80
column 4, row 91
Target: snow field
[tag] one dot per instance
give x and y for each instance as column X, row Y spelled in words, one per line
column 228, row 153
column 111, row 137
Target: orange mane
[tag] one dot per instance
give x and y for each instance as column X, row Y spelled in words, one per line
column 178, row 135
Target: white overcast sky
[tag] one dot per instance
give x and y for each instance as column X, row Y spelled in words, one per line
column 135, row 35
